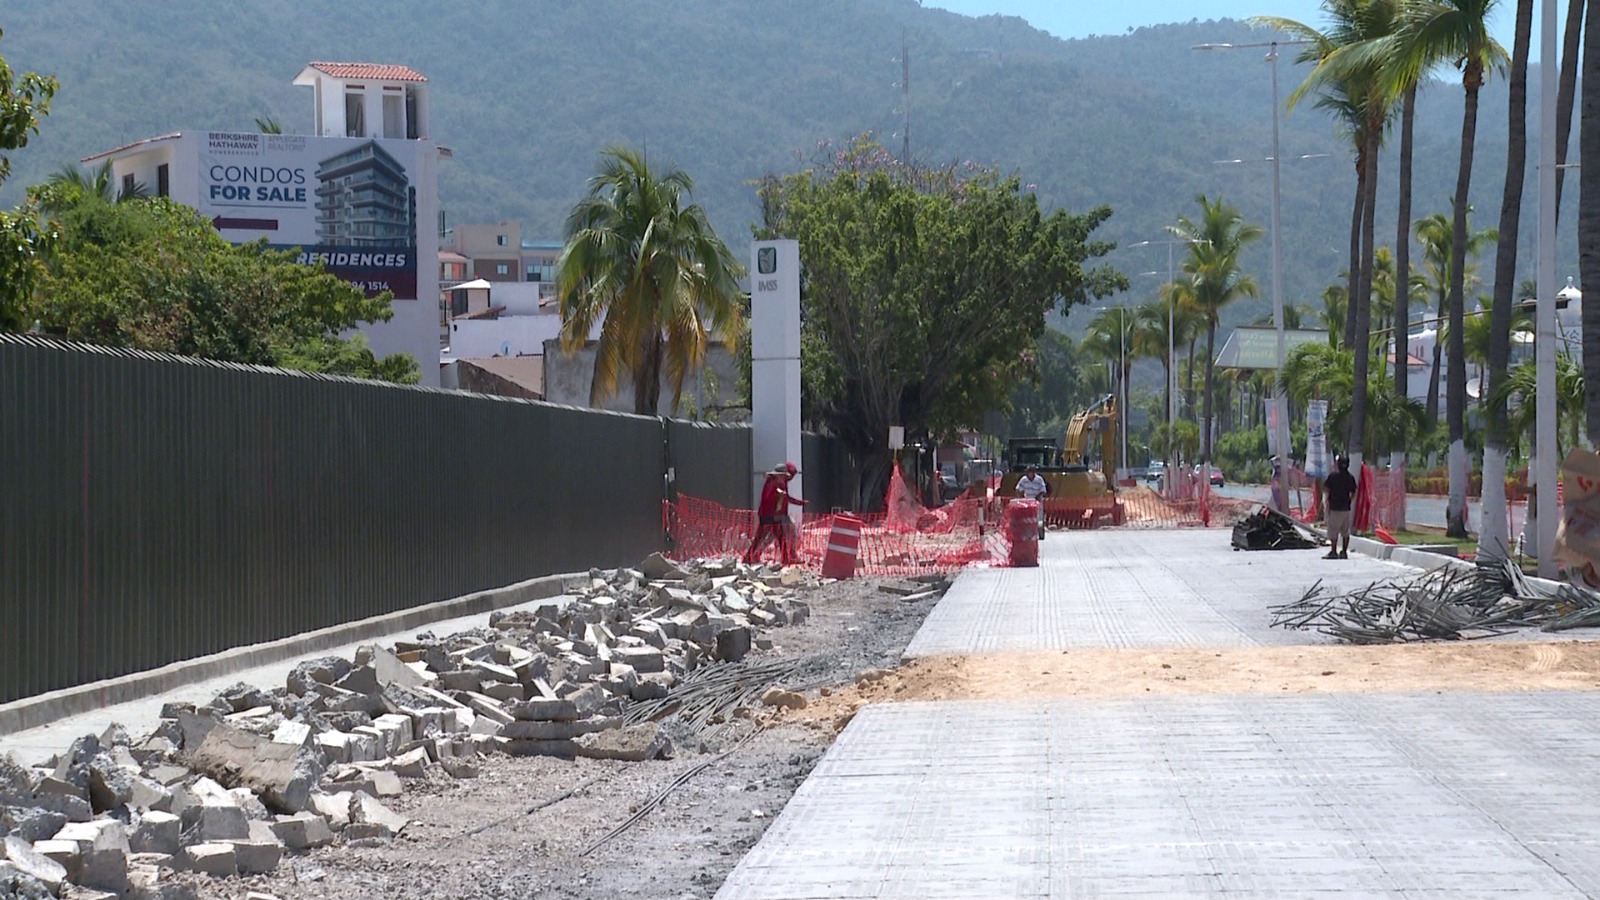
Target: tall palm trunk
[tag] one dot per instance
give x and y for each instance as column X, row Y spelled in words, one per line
column 1188, row 380
column 1589, row 216
column 1456, row 395
column 1494, row 536
column 1433, row 381
column 647, row 377
column 1402, row 258
column 1565, row 91
column 1356, row 220
column 1211, row 355
column 1361, row 337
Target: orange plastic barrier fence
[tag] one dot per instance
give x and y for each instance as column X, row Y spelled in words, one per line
column 910, row 538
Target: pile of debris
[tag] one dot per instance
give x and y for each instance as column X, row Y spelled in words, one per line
column 1268, row 529
column 1451, row 602
column 228, row 787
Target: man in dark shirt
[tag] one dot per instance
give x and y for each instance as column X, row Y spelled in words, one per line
column 1341, row 487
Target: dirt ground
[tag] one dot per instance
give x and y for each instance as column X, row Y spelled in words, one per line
column 533, row 827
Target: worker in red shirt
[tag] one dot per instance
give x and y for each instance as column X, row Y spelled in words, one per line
column 773, row 514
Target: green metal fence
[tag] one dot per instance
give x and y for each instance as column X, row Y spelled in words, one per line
column 156, row 508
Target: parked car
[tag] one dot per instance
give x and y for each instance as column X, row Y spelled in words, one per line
column 1216, row 478
column 1155, row 471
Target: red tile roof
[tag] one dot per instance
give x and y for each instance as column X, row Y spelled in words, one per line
column 374, row 71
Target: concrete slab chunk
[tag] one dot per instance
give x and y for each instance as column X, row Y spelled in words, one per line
column 33, row 863
column 209, row 859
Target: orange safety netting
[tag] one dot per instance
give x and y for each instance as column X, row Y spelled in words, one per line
column 909, row 538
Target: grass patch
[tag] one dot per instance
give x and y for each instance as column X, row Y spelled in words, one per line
column 1423, row 534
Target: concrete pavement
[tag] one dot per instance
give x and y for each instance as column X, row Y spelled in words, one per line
column 1237, row 796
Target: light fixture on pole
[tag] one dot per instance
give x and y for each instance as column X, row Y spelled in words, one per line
column 1279, row 401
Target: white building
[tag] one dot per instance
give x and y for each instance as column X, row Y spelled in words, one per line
column 361, row 194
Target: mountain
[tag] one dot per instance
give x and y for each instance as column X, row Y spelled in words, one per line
column 526, row 93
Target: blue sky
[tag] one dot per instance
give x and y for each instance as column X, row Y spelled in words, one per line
column 1081, row 18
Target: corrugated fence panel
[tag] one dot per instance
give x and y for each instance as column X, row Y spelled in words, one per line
column 154, row 509
column 711, row 462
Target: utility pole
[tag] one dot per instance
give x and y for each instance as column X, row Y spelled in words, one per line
column 905, row 99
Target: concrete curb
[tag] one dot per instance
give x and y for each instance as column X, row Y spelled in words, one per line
column 1419, row 559
column 32, row 712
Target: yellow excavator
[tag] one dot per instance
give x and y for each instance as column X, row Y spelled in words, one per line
column 1081, row 472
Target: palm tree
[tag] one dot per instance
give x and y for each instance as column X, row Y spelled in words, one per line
column 1457, row 31
column 1437, row 237
column 1109, row 337
column 1335, row 300
column 1493, row 537
column 1217, row 239
column 70, row 185
column 652, row 272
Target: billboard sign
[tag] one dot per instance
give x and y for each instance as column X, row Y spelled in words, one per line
column 349, row 203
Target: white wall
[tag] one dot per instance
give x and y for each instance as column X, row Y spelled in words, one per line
column 505, row 336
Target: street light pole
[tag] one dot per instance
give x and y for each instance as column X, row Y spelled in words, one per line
column 1544, row 348
column 1172, row 354
column 1281, row 429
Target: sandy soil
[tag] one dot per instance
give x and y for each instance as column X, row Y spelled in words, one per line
column 1462, row 666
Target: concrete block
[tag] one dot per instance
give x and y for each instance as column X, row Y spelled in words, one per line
column 392, row 670
column 411, row 764
column 505, row 693
column 544, row 710
column 333, row 808
column 385, row 784
column 156, row 832
column 366, row 810
column 303, row 831
column 488, row 707
column 283, row 774
column 642, row 659
column 295, row 734
column 376, row 743
column 31, row 823
column 66, row 853
column 145, row 793
column 209, row 859
column 335, row 746
column 168, row 775
column 492, row 671
column 246, row 799
column 518, row 747
column 31, row 862
column 556, row 731
column 219, row 821
column 311, row 673
column 396, row 730
column 461, row 680
column 587, row 699
column 733, row 644
column 260, row 854
column 103, row 845
column 651, row 687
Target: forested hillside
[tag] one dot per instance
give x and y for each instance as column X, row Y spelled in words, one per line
column 526, row 93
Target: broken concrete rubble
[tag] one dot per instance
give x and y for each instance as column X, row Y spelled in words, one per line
column 226, row 787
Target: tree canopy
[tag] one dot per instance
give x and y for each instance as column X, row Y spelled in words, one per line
column 154, row 275
column 923, row 290
column 24, row 99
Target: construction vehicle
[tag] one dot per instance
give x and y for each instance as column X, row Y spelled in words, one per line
column 1081, row 471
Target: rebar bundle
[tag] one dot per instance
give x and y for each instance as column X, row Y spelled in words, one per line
column 1451, row 602
column 711, row 694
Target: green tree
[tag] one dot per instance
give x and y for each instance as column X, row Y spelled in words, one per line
column 924, row 292
column 652, row 272
column 155, row 275
column 1046, row 406
column 24, row 100
column 1437, row 238
column 1218, row 238
column 1454, row 31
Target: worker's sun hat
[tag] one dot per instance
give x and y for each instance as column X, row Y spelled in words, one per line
column 791, row 468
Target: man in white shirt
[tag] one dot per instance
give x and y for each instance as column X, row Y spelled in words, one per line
column 1032, row 487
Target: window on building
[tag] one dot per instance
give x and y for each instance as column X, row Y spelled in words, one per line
column 128, row 185
column 502, row 269
column 355, row 114
column 163, row 180
column 393, row 116
column 500, row 239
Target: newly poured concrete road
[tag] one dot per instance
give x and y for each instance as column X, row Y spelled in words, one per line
column 1438, row 795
